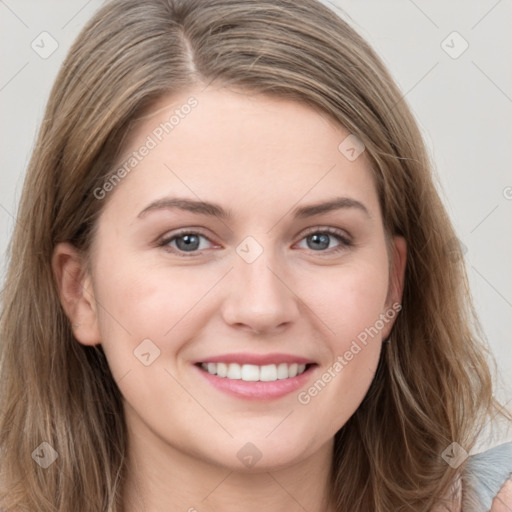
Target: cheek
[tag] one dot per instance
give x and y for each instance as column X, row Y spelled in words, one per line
column 148, row 314
column 351, row 311
column 137, row 302
column 348, row 299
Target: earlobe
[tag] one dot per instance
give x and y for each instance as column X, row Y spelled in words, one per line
column 76, row 293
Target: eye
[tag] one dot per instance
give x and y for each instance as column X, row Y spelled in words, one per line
column 184, row 242
column 319, row 239
column 190, row 243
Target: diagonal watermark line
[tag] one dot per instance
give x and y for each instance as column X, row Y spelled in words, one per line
column 207, row 85
column 342, row 14
column 280, row 423
column 504, row 506
column 118, row 381
column 300, row 199
column 14, row 76
column 496, row 414
column 424, row 14
column 201, row 298
column 16, row 220
column 497, row 291
column 167, row 167
column 92, row 500
column 200, row 404
column 3, row 3
column 492, row 81
column 97, row 98
column 76, row 14
column 302, row 302
column 82, row 287
column 217, row 486
column 485, row 15
column 484, row 218
column 77, row 281
column 286, row 491
column 415, row 85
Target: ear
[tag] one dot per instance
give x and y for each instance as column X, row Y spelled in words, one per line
column 396, row 278
column 76, row 293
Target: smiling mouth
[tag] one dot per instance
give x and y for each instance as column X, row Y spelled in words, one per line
column 255, row 373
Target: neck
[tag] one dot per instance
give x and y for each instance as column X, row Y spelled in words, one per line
column 161, row 478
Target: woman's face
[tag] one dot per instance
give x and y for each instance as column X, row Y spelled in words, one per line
column 216, row 249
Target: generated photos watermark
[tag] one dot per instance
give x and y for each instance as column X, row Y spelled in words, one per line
column 341, row 361
column 151, row 142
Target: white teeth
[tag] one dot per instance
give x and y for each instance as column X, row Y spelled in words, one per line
column 234, row 371
column 268, row 372
column 282, row 371
column 253, row 373
column 222, row 370
column 250, row 372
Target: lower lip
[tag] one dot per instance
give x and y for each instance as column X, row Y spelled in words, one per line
column 258, row 390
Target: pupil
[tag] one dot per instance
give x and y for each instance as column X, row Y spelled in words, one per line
column 323, row 239
column 187, row 242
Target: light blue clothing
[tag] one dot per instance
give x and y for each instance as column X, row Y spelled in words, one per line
column 483, row 477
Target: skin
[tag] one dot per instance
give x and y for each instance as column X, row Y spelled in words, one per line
column 260, row 157
column 503, row 501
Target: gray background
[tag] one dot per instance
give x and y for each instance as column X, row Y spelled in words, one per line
column 463, row 106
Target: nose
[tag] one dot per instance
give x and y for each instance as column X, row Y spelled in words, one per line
column 261, row 298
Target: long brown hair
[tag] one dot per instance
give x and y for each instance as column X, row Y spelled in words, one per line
column 433, row 385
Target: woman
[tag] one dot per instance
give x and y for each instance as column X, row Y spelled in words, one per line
column 233, row 281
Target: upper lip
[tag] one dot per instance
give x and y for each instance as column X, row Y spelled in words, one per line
column 256, row 359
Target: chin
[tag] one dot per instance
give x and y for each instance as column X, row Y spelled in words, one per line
column 257, row 453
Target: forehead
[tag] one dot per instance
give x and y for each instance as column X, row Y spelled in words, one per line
column 246, row 151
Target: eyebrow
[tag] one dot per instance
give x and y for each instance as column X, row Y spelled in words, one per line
column 215, row 210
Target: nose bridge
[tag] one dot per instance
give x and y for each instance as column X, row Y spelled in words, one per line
column 257, row 273
column 259, row 298
column 259, row 277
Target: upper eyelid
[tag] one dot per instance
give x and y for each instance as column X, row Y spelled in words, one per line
column 329, row 229
column 171, row 235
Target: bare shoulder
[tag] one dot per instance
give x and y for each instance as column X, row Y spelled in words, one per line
column 503, row 501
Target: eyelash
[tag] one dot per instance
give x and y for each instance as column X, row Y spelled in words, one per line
column 345, row 242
